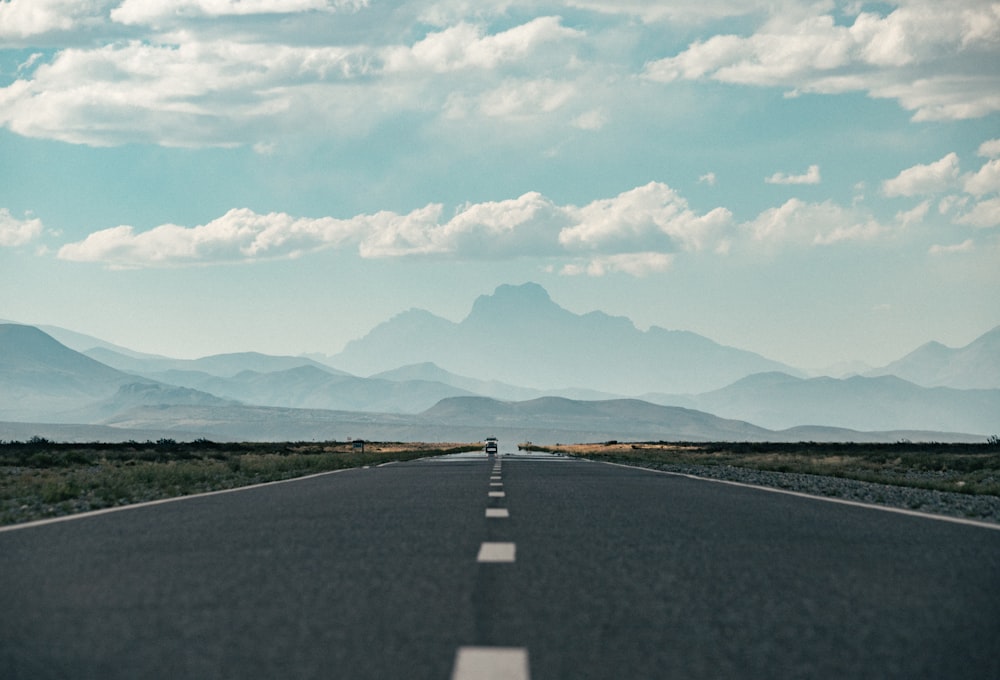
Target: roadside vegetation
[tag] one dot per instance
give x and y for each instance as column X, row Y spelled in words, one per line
column 40, row 479
column 963, row 468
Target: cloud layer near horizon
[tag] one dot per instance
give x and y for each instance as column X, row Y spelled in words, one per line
column 637, row 232
column 649, row 218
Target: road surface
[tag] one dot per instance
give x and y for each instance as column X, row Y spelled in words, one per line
column 474, row 567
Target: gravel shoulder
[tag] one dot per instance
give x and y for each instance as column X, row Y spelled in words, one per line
column 980, row 507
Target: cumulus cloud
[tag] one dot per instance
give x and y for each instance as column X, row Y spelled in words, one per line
column 823, row 223
column 978, row 205
column 618, row 234
column 651, row 217
column 525, row 98
column 708, row 178
column 924, row 179
column 915, row 215
column 990, row 149
column 191, row 90
column 17, row 232
column 875, row 54
column 810, row 177
column 985, row 181
column 193, row 94
column 467, row 46
column 25, row 18
column 984, row 214
column 239, row 234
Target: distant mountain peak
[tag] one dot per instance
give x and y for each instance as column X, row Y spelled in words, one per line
column 523, row 292
column 509, row 302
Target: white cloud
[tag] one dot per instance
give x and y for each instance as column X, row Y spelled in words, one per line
column 990, row 149
column 810, row 177
column 633, row 264
column 965, row 246
column 194, row 91
column 984, row 214
column 916, row 215
column 813, row 224
column 26, row 18
column 637, row 232
column 680, row 10
column 16, row 232
column 924, row 179
column 239, row 234
column 527, row 225
column 651, row 217
column 985, row 181
column 595, row 119
column 527, row 98
column 948, row 203
column 708, row 178
column 155, row 12
column 193, row 94
column 875, row 54
column 466, row 46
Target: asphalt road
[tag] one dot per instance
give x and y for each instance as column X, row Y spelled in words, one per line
column 597, row 571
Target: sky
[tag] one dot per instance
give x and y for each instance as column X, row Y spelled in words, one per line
column 816, row 181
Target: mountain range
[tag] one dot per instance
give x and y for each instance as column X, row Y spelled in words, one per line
column 974, row 366
column 519, row 336
column 779, row 401
column 526, row 345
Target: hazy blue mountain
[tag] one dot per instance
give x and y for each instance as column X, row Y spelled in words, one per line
column 40, row 376
column 311, row 387
column 485, row 388
column 777, row 400
column 82, row 342
column 519, row 336
column 225, row 365
column 43, row 380
column 977, row 365
column 133, row 395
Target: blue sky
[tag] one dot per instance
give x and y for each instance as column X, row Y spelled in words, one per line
column 815, row 181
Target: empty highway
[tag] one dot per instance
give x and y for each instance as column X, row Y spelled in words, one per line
column 473, row 567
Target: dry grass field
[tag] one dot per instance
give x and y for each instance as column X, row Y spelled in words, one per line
column 963, row 468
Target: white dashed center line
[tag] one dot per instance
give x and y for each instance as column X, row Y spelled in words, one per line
column 497, row 512
column 496, row 494
column 496, row 552
column 496, row 483
column 491, row 663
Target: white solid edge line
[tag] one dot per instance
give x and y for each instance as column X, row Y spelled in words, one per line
column 491, row 663
column 801, row 494
column 160, row 501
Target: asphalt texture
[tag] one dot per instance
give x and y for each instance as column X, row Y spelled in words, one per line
column 619, row 573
